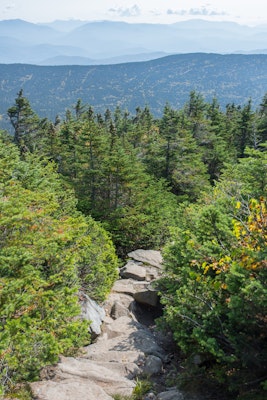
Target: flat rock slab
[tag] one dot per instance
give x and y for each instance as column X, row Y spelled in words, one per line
column 125, row 286
column 67, row 390
column 119, row 327
column 133, row 270
column 114, row 356
column 150, row 257
column 111, row 381
column 140, row 342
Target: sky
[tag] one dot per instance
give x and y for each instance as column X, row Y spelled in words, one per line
column 245, row 12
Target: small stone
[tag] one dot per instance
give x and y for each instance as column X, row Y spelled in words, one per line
column 153, row 365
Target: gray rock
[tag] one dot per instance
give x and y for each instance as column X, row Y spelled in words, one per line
column 143, row 340
column 141, row 291
column 129, row 370
column 108, row 379
column 172, row 394
column 148, row 297
column 133, row 270
column 119, row 310
column 150, row 257
column 153, row 273
column 125, row 286
column 126, row 335
column 74, row 388
column 122, row 326
column 91, row 311
column 124, row 300
column 116, row 356
column 153, row 365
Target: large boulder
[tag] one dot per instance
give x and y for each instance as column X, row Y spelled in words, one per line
column 142, row 291
column 91, row 311
column 149, row 257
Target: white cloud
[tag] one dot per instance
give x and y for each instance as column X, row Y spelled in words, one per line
column 202, row 11
column 133, row 11
column 176, row 12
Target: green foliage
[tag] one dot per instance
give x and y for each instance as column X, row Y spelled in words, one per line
column 215, row 292
column 172, row 153
column 248, row 177
column 24, row 121
column 100, row 161
column 48, row 252
column 142, row 387
column 97, row 267
column 144, row 222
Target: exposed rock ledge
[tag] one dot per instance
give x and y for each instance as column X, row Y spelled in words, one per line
column 125, row 348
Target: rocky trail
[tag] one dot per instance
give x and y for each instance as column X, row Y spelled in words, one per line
column 127, row 347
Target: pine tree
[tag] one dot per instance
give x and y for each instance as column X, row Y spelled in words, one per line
column 24, row 121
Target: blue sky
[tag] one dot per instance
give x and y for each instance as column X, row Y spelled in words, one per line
column 248, row 12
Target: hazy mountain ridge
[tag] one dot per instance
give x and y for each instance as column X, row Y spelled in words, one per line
column 51, row 90
column 22, row 42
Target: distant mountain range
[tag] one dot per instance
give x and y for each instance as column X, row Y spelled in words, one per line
column 105, row 42
column 51, row 90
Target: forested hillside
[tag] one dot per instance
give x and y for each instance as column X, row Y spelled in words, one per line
column 80, row 191
column 51, row 90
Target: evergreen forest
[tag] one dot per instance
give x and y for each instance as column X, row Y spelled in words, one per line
column 80, row 192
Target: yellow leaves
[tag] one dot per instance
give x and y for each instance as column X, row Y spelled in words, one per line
column 217, row 266
column 237, row 229
column 238, row 205
column 205, row 268
column 251, row 234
